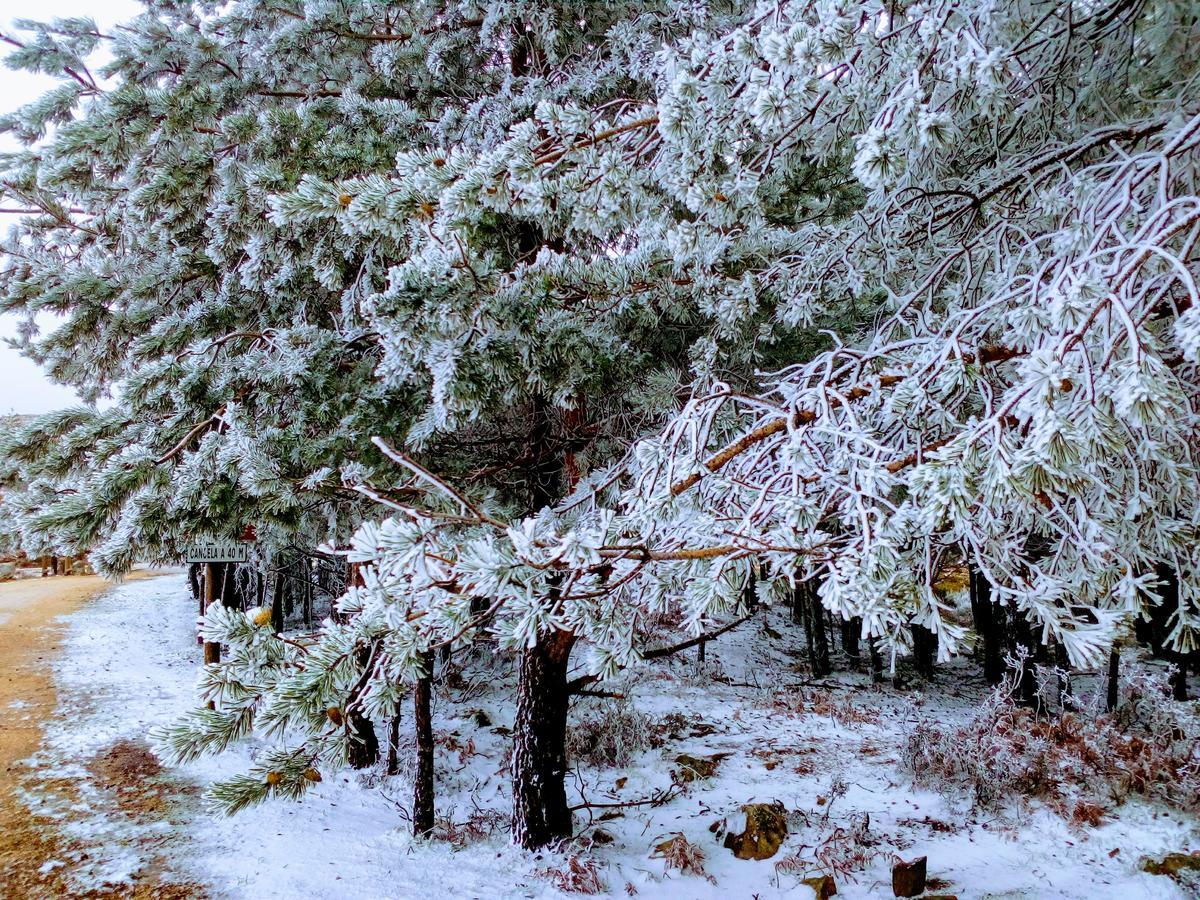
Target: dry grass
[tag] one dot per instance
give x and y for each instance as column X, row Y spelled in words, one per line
column 576, row 876
column 1079, row 761
column 681, row 855
column 823, row 703
column 609, row 734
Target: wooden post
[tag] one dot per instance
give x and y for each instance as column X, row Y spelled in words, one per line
column 212, row 649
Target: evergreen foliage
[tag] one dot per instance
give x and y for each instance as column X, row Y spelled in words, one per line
column 307, row 225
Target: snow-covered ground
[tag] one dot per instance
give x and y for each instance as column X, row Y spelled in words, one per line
column 828, row 754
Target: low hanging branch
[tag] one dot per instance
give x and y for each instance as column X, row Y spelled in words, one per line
column 577, row 685
column 729, row 452
column 707, row 636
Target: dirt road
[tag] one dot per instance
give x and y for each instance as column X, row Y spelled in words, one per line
column 29, row 637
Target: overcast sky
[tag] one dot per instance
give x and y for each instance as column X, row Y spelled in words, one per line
column 23, row 387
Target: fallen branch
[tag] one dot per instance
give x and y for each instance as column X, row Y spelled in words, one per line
column 657, row 799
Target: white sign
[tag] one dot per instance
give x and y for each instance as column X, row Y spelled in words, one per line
column 216, row 552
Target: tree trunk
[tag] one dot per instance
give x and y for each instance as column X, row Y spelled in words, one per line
column 988, row 619
column 393, row 751
column 1170, row 603
column 1063, row 663
column 539, row 762
column 1114, row 672
column 798, row 609
column 1178, row 680
column 1027, row 688
column 876, row 661
column 924, row 649
column 277, row 619
column 851, row 629
column 364, row 745
column 819, row 644
column 423, row 722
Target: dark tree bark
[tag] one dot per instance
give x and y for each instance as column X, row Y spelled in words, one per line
column 277, row 618
column 540, row 812
column 306, row 590
column 1027, row 689
column 799, row 609
column 851, row 629
column 393, row 748
column 1169, row 591
column 1114, row 673
column 364, row 745
column 194, row 583
column 924, row 650
column 818, row 639
column 423, row 722
column 876, row 661
column 989, row 626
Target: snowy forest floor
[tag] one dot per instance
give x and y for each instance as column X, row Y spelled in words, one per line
column 829, row 752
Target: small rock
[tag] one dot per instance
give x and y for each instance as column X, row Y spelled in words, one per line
column 693, row 767
column 823, row 886
column 908, row 878
column 766, row 828
column 1173, row 865
column 600, row 837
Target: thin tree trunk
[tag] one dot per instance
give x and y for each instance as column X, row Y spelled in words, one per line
column 1063, row 664
column 851, row 629
column 801, row 603
column 924, row 647
column 393, row 753
column 1169, row 604
column 539, row 762
column 1027, row 689
column 819, row 659
column 278, row 622
column 876, row 661
column 798, row 616
column 423, row 722
column 364, row 745
column 1178, row 679
column 1114, row 673
column 988, row 618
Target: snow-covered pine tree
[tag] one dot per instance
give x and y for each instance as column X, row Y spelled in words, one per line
column 1019, row 195
column 257, row 207
column 1027, row 215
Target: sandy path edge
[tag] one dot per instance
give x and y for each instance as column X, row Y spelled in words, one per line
column 30, row 631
